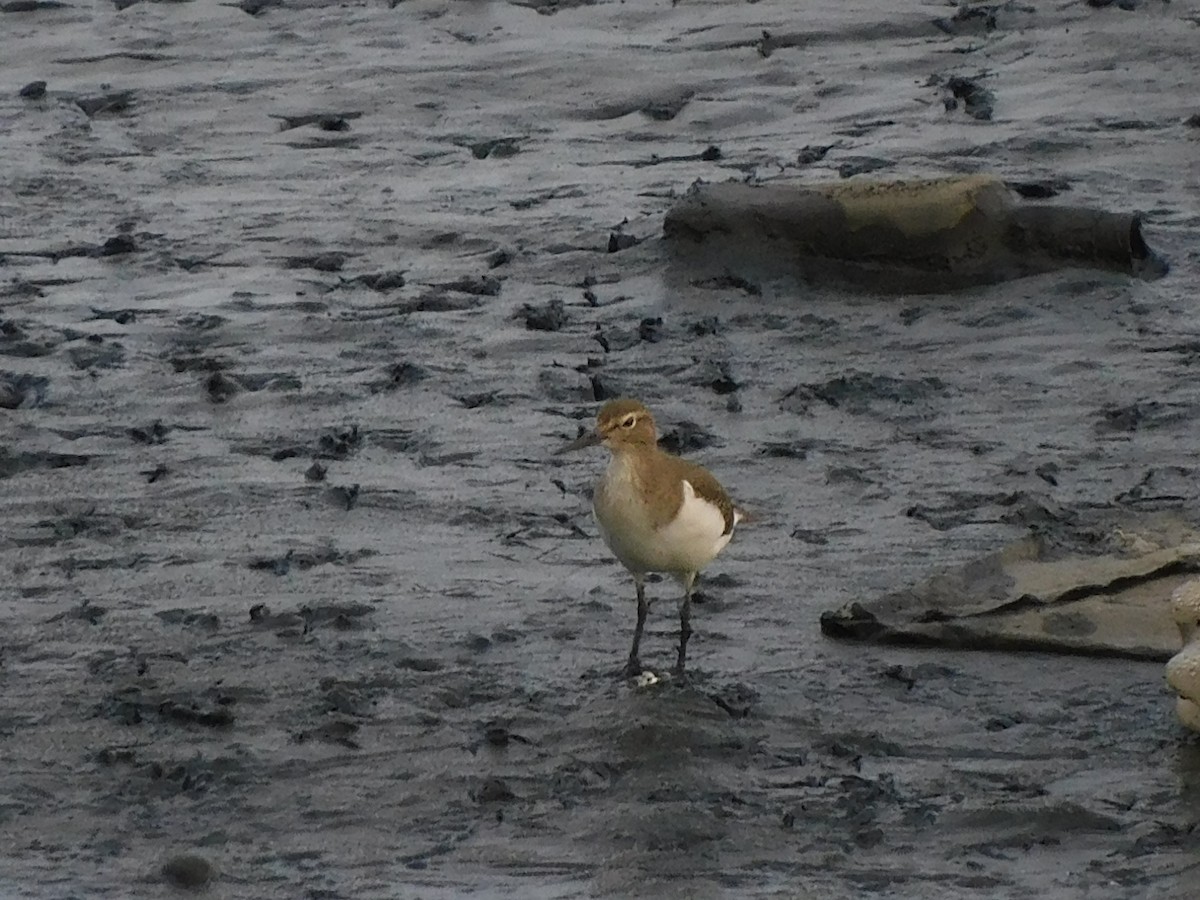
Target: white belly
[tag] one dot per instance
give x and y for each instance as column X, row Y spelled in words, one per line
column 684, row 545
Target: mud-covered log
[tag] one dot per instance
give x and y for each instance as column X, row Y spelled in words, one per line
column 931, row 234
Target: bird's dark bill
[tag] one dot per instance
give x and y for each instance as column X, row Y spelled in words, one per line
column 588, row 439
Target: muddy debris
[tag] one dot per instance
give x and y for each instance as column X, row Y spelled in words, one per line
column 857, row 392
column 96, row 353
column 479, row 286
column 812, row 153
column 709, row 325
column 493, row 790
column 120, row 316
column 277, row 565
column 650, row 329
column 717, row 376
column 342, row 616
column 381, row 281
column 328, row 261
column 615, row 339
column 862, row 165
column 499, row 735
column 972, row 508
column 498, row 258
column 14, row 462
column 113, row 103
column 197, row 362
column 478, row 399
column 401, row 375
column 154, row 433
column 330, row 120
column 730, row 281
column 1160, row 487
column 85, row 611
column 619, row 240
column 793, row 449
column 190, row 618
column 35, row 90
column 684, row 438
column 340, row 443
column 345, row 496
column 768, row 42
column 20, row 6
column 222, row 388
column 1040, row 189
column 497, row 148
column 261, row 617
column 810, row 536
column 979, row 20
column 339, row 731
column 463, row 296
column 711, row 153
column 186, row 713
column 188, row 871
column 549, row 316
column 22, row 391
column 978, row 102
column 119, row 245
column 132, row 705
column 1138, row 415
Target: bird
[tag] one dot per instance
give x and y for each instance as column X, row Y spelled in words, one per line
column 655, row 511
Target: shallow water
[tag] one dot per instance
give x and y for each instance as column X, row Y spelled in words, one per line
column 427, row 704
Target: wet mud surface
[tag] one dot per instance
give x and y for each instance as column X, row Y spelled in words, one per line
column 297, row 300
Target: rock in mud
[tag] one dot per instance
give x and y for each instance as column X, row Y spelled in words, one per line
column 116, row 102
column 188, row 871
column 21, row 391
column 221, row 387
column 482, row 286
column 500, row 148
column 978, row 101
column 331, row 261
column 550, row 316
column 618, row 241
column 381, row 281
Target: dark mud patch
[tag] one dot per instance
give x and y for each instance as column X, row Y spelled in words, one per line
column 14, row 462
column 20, row 391
column 858, row 392
column 308, row 559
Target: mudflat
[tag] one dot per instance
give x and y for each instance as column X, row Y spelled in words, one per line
column 297, row 300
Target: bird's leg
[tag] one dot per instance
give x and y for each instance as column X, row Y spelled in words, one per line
column 634, row 666
column 685, row 622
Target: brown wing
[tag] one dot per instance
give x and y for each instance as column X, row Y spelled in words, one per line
column 662, row 475
column 706, row 486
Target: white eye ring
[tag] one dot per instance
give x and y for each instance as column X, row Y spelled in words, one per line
column 628, row 421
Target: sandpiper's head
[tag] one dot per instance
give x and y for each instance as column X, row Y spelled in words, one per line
column 620, row 424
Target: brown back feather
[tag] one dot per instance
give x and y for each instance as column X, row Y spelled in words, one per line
column 661, row 473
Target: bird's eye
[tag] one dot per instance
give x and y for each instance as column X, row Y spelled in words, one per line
column 628, row 421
